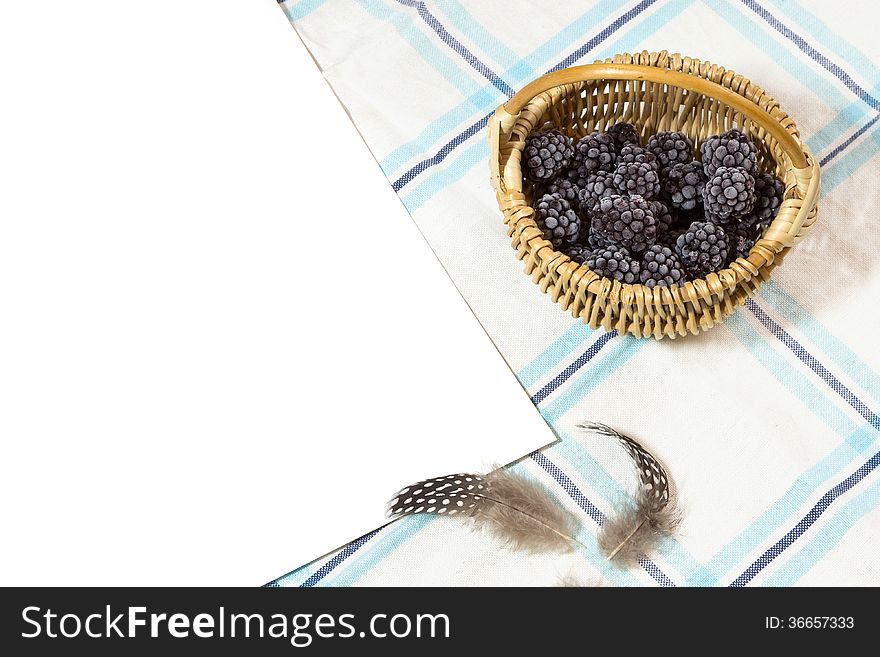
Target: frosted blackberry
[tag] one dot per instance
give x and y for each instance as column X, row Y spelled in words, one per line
column 623, row 133
column 670, row 148
column 742, row 239
column 546, row 154
column 578, row 253
column 597, row 186
column 665, row 218
column 661, row 267
column 565, row 188
column 593, row 152
column 703, row 248
column 633, row 153
column 559, row 223
column 683, row 185
column 614, row 263
column 729, row 149
column 729, row 193
column 642, row 179
column 624, row 221
column 768, row 196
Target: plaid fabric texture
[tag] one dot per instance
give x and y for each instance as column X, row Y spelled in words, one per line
column 768, row 423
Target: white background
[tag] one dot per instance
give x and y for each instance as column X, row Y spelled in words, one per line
column 223, row 343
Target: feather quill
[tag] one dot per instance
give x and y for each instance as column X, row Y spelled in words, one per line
column 633, row 531
column 518, row 511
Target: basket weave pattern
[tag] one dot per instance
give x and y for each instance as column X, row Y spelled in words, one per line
column 655, row 92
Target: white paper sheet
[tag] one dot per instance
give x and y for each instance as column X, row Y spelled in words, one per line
column 224, row 342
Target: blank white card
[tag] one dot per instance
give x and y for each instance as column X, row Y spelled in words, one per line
column 224, row 343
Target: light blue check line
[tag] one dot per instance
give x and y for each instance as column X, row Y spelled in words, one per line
column 298, row 10
column 841, row 169
column 476, row 33
column 791, row 377
column 561, row 347
column 525, row 69
column 861, row 442
column 833, row 41
column 849, row 117
column 479, row 151
column 826, row 538
column 411, row 32
column 619, row 352
column 398, row 534
column 795, row 66
column 846, row 359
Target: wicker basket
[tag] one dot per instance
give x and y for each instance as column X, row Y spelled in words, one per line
column 654, row 91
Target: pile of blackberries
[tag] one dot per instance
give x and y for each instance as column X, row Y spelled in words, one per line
column 649, row 214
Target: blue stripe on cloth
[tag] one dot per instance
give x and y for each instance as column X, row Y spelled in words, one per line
column 408, row 29
column 553, row 353
column 524, row 70
column 476, row 33
column 823, row 34
column 298, row 10
column 440, row 179
column 841, row 169
column 814, row 54
column 577, row 364
column 812, row 362
column 841, row 355
column 785, row 506
column 622, row 350
column 826, row 538
column 598, row 517
column 343, row 554
column 807, row 521
column 848, row 141
column 457, row 46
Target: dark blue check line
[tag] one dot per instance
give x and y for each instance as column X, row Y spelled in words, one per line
column 591, row 510
column 621, row 20
column 845, row 144
column 814, row 54
column 813, row 363
column 457, row 46
column 337, row 559
column 828, row 498
column 469, row 132
column 450, row 146
column 807, row 521
column 578, row 363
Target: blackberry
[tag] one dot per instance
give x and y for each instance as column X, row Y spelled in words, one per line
column 565, row 188
column 642, row 179
column 632, row 153
column 546, row 154
column 593, row 152
column 661, row 267
column 683, row 185
column 624, row 221
column 664, row 217
column 578, row 253
column 670, row 148
column 614, row 263
column 557, row 220
column 729, row 149
column 703, row 248
column 742, row 239
column 623, row 133
column 729, row 193
column 768, row 196
column 597, row 186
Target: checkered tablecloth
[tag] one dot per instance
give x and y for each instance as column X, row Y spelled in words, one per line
column 767, row 423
